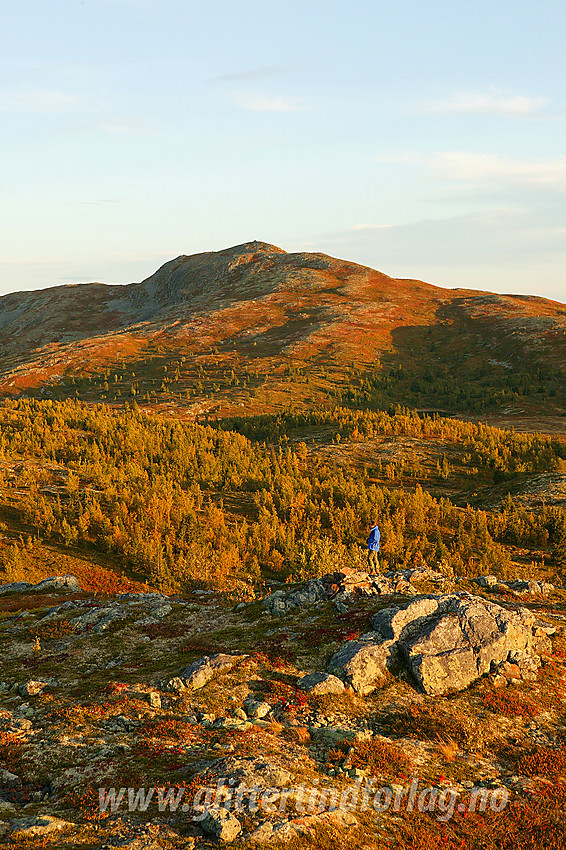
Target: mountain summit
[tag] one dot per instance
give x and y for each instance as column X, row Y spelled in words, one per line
column 311, row 326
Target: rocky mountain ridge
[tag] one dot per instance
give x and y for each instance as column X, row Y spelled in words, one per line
column 254, row 309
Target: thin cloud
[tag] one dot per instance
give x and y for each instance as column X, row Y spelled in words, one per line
column 482, row 169
column 266, row 103
column 254, row 74
column 102, row 201
column 494, row 102
column 37, row 101
column 370, row 226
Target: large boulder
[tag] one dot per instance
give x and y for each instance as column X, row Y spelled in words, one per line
column 445, row 642
column 221, row 824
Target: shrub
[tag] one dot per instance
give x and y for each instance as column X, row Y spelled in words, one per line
column 510, row 703
column 169, row 728
column 53, row 630
column 544, row 761
column 537, row 823
column 377, row 756
column 381, row 757
column 424, row 721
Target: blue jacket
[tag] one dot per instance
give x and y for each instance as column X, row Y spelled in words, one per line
column 373, row 539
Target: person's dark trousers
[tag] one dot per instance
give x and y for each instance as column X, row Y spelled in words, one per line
column 373, row 562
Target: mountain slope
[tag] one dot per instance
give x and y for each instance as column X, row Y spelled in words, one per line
column 257, row 327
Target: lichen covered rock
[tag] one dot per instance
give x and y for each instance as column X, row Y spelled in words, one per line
column 445, row 642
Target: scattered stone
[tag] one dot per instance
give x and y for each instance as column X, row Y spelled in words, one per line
column 7, row 779
column 529, row 586
column 222, row 824
column 289, row 831
column 32, row 688
column 154, row 700
column 256, row 709
column 517, row 586
column 134, row 598
column 345, row 587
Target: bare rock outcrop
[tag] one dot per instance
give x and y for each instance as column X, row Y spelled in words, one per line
column 444, row 642
column 345, row 586
column 518, row 586
column 67, row 584
column 201, row 671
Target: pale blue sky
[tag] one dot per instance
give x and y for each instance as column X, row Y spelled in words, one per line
column 424, row 139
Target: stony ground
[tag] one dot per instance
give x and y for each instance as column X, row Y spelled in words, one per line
column 147, row 691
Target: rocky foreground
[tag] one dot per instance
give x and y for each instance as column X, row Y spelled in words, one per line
column 125, row 721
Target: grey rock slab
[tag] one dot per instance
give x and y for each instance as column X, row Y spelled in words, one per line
column 437, row 674
column 36, row 826
column 201, row 671
column 334, row 734
column 363, row 664
column 437, row 636
column 154, row 700
column 14, row 587
column 6, row 809
column 546, row 628
column 395, row 622
column 8, row 779
column 321, row 683
column 66, row 583
column 160, row 611
column 486, row 581
column 257, row 709
column 250, row 772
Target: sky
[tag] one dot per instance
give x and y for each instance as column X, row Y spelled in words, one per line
column 424, row 139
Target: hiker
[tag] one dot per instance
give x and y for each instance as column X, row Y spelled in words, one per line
column 373, row 547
